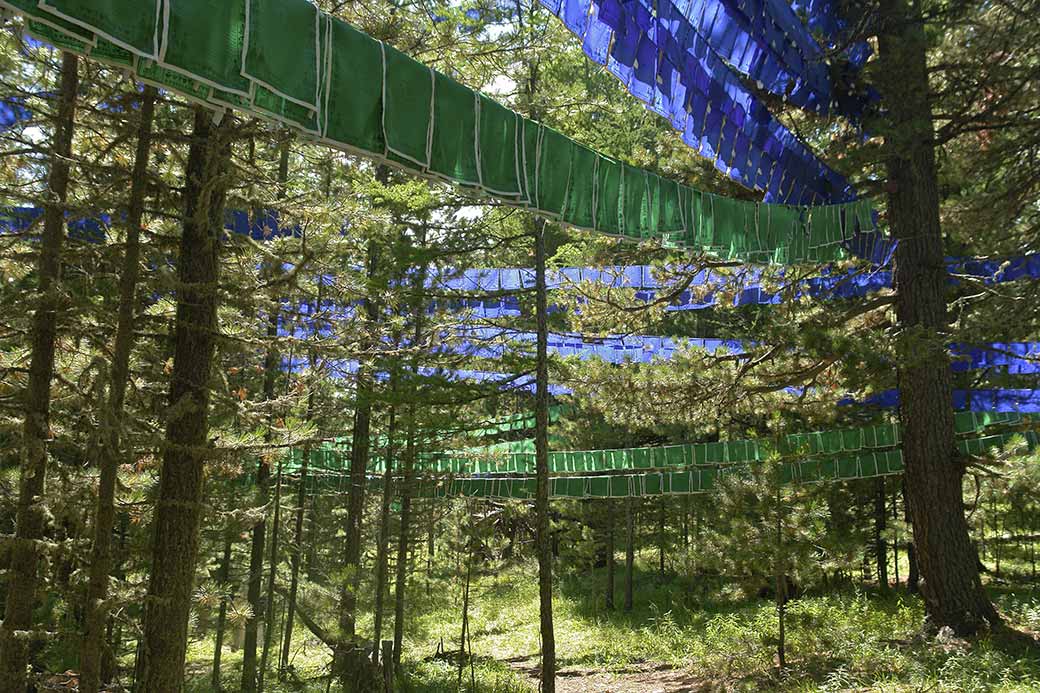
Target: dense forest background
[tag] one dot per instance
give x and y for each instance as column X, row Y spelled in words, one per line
column 303, row 566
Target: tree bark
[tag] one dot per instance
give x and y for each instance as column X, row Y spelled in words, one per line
column 880, row 546
column 30, row 515
column 349, row 663
column 109, row 442
column 630, row 550
column 283, row 176
column 383, row 540
column 179, row 501
column 952, row 589
column 218, row 640
column 543, row 540
column 610, row 555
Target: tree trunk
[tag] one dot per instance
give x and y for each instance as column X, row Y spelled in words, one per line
column 31, row 511
column 272, row 573
column 109, row 442
column 952, row 589
column 610, row 555
column 880, row 546
column 179, row 500
column 543, row 540
column 383, row 541
column 294, row 561
column 660, row 535
column 273, row 363
column 301, row 505
column 259, row 539
column 408, row 472
column 630, row 550
column 218, row 644
column 349, row 663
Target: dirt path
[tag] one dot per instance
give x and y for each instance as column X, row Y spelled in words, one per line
column 646, row 677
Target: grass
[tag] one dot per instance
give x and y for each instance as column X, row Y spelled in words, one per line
column 849, row 639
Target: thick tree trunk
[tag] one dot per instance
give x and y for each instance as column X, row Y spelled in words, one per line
column 30, row 515
column 543, row 540
column 218, row 640
column 948, row 562
column 109, row 442
column 179, row 500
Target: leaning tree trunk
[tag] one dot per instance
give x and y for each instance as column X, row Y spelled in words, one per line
column 179, row 502
column 31, row 513
column 543, row 539
column 952, row 590
column 109, row 443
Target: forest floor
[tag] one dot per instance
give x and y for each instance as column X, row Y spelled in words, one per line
column 678, row 638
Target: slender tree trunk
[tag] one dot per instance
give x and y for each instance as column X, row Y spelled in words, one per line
column 408, row 472
column 259, row 538
column 383, row 540
column 952, row 589
column 610, row 555
column 630, row 550
column 660, row 535
column 272, row 573
column 109, row 442
column 179, row 500
column 31, row 512
column 543, row 540
column 294, row 561
column 301, row 505
column 283, row 176
column 218, row 644
column 349, row 662
column 880, row 546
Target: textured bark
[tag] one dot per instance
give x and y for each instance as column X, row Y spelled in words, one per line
column 30, row 514
column 952, row 589
column 543, row 540
column 109, row 442
column 179, row 502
